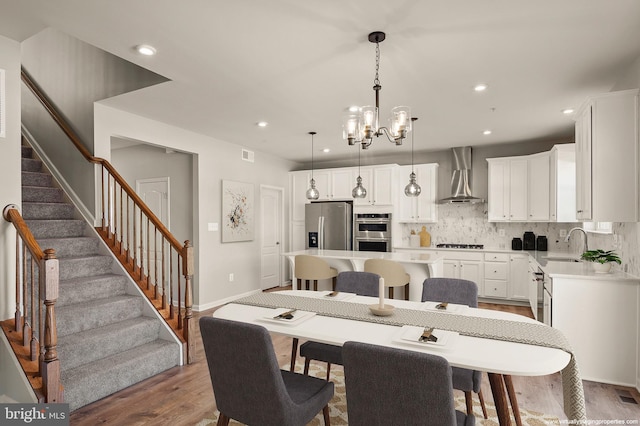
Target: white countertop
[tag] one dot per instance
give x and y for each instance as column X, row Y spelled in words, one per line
column 364, row 255
column 553, row 268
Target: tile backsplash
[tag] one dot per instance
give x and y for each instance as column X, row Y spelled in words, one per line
column 467, row 224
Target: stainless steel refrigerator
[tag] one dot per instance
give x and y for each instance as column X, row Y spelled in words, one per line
column 328, row 225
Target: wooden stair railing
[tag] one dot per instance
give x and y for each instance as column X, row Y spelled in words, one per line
column 33, row 333
column 153, row 257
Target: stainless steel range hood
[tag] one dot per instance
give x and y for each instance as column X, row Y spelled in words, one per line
column 460, row 186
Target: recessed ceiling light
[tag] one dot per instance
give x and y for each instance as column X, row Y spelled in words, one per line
column 262, row 124
column 146, row 50
column 480, row 87
column 568, row 111
column 326, row 150
column 486, row 132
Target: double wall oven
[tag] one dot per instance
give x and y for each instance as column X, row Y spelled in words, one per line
column 372, row 232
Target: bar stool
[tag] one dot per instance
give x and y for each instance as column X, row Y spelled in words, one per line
column 393, row 273
column 310, row 268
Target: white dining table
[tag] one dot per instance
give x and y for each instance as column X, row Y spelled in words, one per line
column 496, row 357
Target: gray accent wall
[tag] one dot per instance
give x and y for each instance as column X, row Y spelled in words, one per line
column 74, row 75
column 142, row 161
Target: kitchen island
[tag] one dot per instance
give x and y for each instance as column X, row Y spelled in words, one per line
column 419, row 266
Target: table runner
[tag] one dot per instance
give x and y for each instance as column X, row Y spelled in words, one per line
column 488, row 328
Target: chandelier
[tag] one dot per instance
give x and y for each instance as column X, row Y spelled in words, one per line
column 362, row 125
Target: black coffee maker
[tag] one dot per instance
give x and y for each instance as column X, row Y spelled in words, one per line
column 529, row 241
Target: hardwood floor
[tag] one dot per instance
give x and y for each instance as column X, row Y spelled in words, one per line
column 183, row 395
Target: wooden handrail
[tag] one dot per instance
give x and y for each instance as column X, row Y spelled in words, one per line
column 12, row 214
column 116, row 237
column 75, row 139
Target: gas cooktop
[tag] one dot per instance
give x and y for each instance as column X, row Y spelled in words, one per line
column 461, row 246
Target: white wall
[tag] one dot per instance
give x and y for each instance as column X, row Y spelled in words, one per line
column 10, row 191
column 215, row 160
column 13, row 381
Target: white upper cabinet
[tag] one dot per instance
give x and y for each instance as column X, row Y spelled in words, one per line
column 607, row 156
column 562, row 196
column 498, row 199
column 379, row 181
column 342, row 183
column 538, row 187
column 508, row 189
column 323, row 183
column 420, row 209
column 528, row 188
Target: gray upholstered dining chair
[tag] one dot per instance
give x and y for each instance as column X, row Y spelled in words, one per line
column 248, row 384
column 461, row 292
column 361, row 283
column 389, row 386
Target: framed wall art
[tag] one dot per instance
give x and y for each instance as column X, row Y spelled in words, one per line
column 237, row 211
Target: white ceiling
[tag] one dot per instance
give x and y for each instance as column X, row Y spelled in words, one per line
column 299, row 64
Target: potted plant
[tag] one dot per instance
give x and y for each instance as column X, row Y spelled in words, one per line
column 601, row 259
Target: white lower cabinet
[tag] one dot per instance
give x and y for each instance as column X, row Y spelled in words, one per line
column 519, row 277
column 499, row 275
column 496, row 275
column 464, row 265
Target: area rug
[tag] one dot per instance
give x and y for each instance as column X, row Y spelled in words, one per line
column 338, row 405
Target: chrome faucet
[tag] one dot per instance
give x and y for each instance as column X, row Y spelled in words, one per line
column 586, row 243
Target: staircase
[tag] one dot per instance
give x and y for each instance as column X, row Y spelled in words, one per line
column 108, row 337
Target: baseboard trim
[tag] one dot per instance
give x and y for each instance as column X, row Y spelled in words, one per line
column 211, row 305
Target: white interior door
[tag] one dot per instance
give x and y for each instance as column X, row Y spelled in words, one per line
column 271, row 217
column 155, row 193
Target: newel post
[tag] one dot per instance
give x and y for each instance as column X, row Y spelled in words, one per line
column 187, row 331
column 51, row 365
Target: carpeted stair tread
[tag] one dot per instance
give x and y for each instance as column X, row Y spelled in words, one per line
column 84, row 289
column 117, row 372
column 97, row 313
column 31, row 165
column 38, row 210
column 84, row 266
column 26, row 151
column 105, row 344
column 56, row 228
column 88, row 346
column 36, row 179
column 72, row 246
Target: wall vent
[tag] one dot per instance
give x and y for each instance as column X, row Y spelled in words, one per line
column 247, row 155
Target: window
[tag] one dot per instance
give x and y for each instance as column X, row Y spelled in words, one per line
column 598, row 227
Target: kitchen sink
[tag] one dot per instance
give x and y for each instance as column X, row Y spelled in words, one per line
column 561, row 258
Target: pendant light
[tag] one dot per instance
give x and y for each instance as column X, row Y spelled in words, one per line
column 412, row 189
column 312, row 192
column 359, row 191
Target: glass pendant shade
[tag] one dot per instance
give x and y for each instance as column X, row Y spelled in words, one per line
column 359, row 191
column 312, row 192
column 400, row 121
column 352, row 129
column 412, row 189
